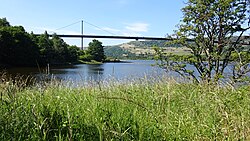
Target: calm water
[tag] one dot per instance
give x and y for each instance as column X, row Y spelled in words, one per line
column 131, row 70
column 123, row 72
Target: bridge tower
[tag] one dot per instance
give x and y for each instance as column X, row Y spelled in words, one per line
column 82, row 37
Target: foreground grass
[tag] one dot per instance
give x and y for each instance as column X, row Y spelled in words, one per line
column 142, row 111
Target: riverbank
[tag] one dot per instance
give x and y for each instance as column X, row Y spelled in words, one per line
column 136, row 111
column 93, row 62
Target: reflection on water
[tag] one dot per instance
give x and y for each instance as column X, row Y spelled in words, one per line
column 84, row 73
column 133, row 69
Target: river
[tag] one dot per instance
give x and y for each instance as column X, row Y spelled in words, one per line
column 84, row 73
column 129, row 70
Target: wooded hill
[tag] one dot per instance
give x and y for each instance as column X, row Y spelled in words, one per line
column 144, row 49
column 141, row 49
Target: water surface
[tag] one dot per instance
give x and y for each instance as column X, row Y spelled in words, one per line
column 82, row 73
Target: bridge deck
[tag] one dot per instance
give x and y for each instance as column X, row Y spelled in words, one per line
column 122, row 37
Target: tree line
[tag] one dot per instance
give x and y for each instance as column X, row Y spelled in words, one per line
column 20, row 48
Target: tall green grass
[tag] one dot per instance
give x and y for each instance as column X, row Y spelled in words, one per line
column 135, row 111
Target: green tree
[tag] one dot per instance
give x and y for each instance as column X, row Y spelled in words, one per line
column 16, row 46
column 45, row 48
column 60, row 49
column 95, row 51
column 213, row 25
column 73, row 53
column 19, row 48
column 4, row 22
column 56, row 51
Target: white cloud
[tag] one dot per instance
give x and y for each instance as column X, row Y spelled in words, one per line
column 133, row 29
column 137, row 27
column 130, row 29
column 111, row 29
column 126, row 33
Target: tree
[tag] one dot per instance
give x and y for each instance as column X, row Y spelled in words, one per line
column 73, row 53
column 45, row 48
column 95, row 51
column 19, row 48
column 16, row 47
column 216, row 28
column 4, row 22
column 60, row 49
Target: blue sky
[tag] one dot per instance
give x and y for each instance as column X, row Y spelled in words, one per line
column 120, row 17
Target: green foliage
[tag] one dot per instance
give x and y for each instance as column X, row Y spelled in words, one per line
column 131, row 51
column 95, row 52
column 56, row 51
column 244, row 55
column 45, row 47
column 114, row 52
column 4, row 22
column 217, row 28
column 74, row 53
column 160, row 43
column 135, row 111
column 19, row 48
column 119, row 53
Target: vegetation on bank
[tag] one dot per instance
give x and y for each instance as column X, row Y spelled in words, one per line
column 19, row 48
column 94, row 53
column 135, row 111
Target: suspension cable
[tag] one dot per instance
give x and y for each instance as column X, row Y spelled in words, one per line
column 67, row 25
column 99, row 27
column 87, row 23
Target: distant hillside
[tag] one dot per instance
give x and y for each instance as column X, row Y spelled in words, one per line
column 138, row 49
column 144, row 49
column 152, row 43
column 117, row 52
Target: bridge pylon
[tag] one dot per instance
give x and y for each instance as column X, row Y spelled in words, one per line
column 82, row 36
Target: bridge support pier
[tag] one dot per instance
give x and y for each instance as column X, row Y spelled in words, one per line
column 82, row 37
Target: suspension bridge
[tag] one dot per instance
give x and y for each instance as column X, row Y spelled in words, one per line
column 113, row 36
